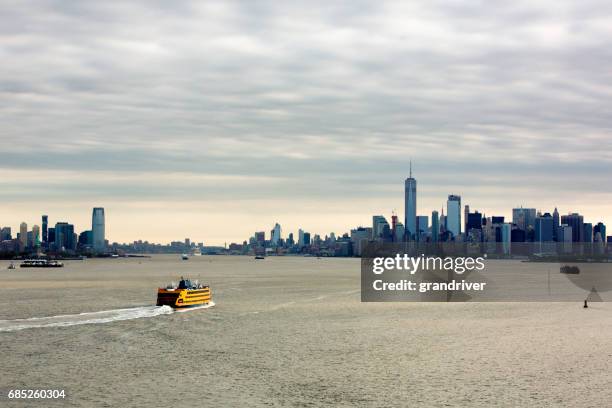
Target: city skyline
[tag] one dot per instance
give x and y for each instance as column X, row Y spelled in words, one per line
column 455, row 220
column 235, row 115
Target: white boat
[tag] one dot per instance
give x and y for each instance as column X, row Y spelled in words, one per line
column 41, row 263
column 184, row 257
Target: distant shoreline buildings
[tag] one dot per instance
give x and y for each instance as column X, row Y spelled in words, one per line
column 542, row 233
column 545, row 232
column 59, row 239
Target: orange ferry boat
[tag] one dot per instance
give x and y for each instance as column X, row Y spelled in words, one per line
column 186, row 294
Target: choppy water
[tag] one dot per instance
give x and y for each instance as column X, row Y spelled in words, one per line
column 287, row 332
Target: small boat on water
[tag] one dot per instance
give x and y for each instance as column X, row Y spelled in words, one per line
column 570, row 270
column 187, row 293
column 185, row 257
column 41, row 263
column 260, row 257
column 11, row 266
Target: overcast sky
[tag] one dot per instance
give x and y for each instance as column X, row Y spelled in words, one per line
column 211, row 120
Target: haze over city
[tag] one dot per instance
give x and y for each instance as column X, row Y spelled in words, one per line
column 212, row 121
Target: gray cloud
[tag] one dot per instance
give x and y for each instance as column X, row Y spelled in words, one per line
column 332, row 98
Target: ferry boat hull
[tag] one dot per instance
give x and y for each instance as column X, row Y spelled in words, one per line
column 40, row 263
column 183, row 298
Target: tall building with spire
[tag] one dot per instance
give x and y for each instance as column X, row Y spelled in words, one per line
column 410, row 191
column 98, row 229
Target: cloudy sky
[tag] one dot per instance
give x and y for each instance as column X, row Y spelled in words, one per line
column 211, row 120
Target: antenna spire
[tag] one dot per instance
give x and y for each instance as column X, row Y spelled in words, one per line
column 410, row 168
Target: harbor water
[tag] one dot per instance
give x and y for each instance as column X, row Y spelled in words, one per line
column 287, row 331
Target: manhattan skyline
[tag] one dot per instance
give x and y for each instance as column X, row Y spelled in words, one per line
column 221, row 119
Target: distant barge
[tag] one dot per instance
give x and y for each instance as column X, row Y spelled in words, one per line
column 41, row 263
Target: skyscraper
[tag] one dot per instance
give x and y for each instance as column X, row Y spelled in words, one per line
column 422, row 227
column 435, row 227
column 45, row 222
column 506, row 237
column 588, row 232
column 5, row 234
column 473, row 220
column 565, row 234
column 453, row 215
column 51, row 238
column 23, row 235
column 524, row 218
column 85, row 239
column 64, row 237
column 97, row 229
column 576, row 221
column 276, row 234
column 400, row 232
column 378, row 226
column 600, row 229
column 556, row 224
column 544, row 228
column 36, row 236
column 360, row 237
column 410, row 204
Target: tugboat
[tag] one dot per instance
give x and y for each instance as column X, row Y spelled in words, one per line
column 186, row 294
column 40, row 263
